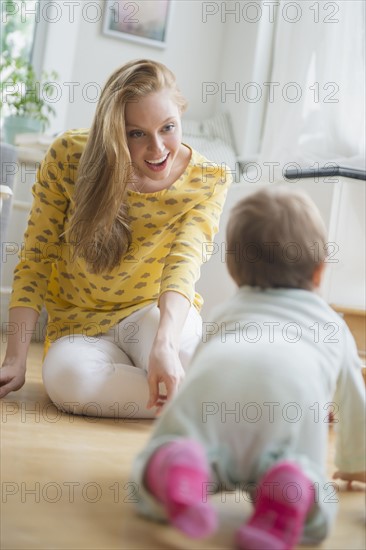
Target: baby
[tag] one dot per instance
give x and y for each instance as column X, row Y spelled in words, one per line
column 253, row 409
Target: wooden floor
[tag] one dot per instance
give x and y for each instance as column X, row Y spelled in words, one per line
column 65, row 483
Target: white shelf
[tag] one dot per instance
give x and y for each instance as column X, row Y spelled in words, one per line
column 28, row 160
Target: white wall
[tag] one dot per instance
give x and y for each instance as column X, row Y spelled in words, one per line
column 82, row 55
column 211, row 48
column 347, row 271
column 215, row 44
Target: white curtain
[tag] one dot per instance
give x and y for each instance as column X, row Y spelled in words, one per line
column 317, row 110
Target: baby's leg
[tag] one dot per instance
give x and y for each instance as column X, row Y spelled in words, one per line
column 177, row 475
column 95, row 378
column 284, row 498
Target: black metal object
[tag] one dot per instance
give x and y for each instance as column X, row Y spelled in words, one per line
column 298, row 173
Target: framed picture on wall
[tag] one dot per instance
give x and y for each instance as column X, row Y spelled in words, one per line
column 145, row 22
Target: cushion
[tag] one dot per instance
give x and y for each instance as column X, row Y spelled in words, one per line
column 216, row 127
column 215, row 150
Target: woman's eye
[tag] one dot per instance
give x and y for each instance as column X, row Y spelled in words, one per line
column 169, row 127
column 136, row 133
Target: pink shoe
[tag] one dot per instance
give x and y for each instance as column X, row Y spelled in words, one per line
column 284, row 500
column 177, row 475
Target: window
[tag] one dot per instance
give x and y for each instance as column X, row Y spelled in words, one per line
column 24, row 31
column 318, row 78
column 18, row 20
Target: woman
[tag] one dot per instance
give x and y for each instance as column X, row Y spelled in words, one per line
column 113, row 249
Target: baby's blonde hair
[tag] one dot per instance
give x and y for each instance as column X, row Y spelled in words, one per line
column 275, row 238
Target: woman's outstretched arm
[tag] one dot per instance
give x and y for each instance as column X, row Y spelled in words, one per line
column 165, row 365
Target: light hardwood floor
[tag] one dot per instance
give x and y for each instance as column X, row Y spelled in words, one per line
column 65, row 483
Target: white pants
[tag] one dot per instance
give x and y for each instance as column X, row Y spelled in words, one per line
column 106, row 375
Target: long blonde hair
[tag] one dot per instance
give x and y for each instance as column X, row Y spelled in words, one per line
column 100, row 231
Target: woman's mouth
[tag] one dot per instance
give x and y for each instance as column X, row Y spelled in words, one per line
column 158, row 164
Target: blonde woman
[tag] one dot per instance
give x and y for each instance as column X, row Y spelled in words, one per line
column 113, row 249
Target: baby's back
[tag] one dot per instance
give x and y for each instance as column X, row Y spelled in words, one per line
column 264, row 375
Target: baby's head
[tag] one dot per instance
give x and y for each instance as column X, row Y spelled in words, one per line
column 276, row 238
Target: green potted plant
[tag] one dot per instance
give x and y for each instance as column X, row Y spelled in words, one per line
column 24, row 99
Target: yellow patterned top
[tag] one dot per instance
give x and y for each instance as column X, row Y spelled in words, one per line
column 169, row 229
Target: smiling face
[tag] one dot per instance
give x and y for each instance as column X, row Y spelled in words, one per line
column 154, row 135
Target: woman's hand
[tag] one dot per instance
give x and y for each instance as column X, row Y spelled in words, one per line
column 164, row 368
column 12, row 376
column 346, row 476
column 22, row 322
